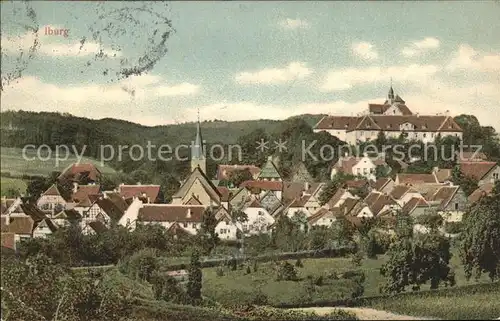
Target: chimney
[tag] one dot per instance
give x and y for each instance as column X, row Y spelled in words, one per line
column 7, row 219
column 188, row 214
column 306, row 186
column 75, row 187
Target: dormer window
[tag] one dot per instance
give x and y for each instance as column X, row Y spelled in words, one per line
column 389, row 126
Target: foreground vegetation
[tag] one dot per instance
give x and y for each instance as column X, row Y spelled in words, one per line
column 477, row 302
column 12, row 187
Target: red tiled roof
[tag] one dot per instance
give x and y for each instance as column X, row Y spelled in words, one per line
column 336, row 122
column 476, row 170
column 414, row 203
column 399, row 191
column 224, row 171
column 336, row 197
column 18, row 225
column 264, row 185
column 76, row 170
column 52, row 191
column 255, row 203
column 443, row 175
column 416, row 178
column 84, row 191
column 390, row 123
column 171, row 213
column 480, row 192
column 129, row 191
column 378, row 109
column 381, row 183
column 358, row 183
column 6, row 204
column 225, row 193
column 445, row 194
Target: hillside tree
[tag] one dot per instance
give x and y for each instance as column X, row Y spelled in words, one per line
column 480, row 237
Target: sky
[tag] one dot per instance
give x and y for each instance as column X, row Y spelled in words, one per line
column 242, row 60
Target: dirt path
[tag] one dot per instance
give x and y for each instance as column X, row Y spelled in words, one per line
column 365, row 313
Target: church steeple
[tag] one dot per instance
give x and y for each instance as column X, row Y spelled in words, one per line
column 197, row 149
column 390, row 96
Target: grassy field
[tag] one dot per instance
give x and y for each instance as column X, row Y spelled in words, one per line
column 466, row 303
column 7, row 184
column 237, row 284
column 13, row 162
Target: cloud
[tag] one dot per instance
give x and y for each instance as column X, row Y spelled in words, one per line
column 343, row 79
column 365, row 50
column 419, row 47
column 467, row 58
column 53, row 46
column 293, row 24
column 271, row 76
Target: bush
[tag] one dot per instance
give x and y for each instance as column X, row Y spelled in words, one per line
column 357, row 259
column 260, row 298
column 167, row 288
column 255, row 266
column 287, row 272
column 248, row 269
column 141, row 265
column 319, row 281
column 333, row 275
column 453, row 227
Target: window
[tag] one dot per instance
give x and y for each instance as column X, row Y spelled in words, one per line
column 456, row 206
column 495, row 176
column 361, row 133
column 424, row 135
column 193, row 225
column 185, row 224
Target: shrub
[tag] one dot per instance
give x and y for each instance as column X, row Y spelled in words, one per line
column 248, row 269
column 333, row 275
column 141, row 265
column 167, row 288
column 255, row 266
column 357, row 258
column 260, row 298
column 299, row 263
column 453, row 227
column 287, row 272
column 319, row 281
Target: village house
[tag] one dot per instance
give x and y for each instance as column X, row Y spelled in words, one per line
column 394, row 119
column 147, row 193
column 415, row 179
column 452, row 203
column 53, row 200
column 338, row 198
column 358, row 166
column 482, row 172
column 480, row 192
column 269, row 172
column 307, row 201
column 189, row 217
column 261, row 187
column 201, row 186
column 325, row 216
column 384, row 185
column 81, row 173
column 259, row 219
column 416, row 207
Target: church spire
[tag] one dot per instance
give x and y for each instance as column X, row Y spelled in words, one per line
column 197, row 149
column 390, row 96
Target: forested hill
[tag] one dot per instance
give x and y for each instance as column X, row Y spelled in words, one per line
column 19, row 128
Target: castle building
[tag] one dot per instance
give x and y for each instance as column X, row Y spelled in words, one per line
column 393, row 118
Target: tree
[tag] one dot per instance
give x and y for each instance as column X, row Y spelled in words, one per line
column 239, row 176
column 238, row 215
column 381, row 171
column 195, row 278
column 207, row 236
column 416, row 259
column 468, row 184
column 480, row 237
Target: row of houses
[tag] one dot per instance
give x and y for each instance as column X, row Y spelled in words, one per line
column 264, row 198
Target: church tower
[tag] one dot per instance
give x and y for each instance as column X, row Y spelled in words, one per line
column 198, row 150
column 390, row 96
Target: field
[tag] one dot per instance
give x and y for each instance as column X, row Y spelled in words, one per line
column 13, row 162
column 466, row 303
column 7, row 184
column 235, row 286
